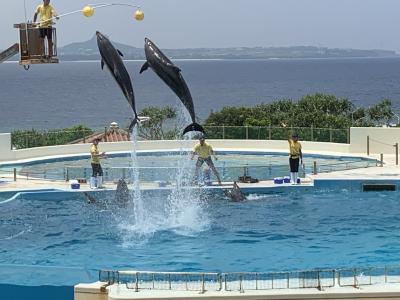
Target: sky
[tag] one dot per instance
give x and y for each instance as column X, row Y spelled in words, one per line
column 359, row 24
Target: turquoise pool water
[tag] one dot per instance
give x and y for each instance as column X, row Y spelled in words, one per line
column 59, row 239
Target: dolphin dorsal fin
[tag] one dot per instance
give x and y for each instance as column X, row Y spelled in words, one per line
column 102, row 64
column 144, row 67
column 120, row 53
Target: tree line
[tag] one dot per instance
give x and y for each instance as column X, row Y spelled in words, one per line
column 311, row 111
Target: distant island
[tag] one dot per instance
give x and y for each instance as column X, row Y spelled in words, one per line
column 88, row 51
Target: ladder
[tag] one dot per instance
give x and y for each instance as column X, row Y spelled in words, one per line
column 10, row 52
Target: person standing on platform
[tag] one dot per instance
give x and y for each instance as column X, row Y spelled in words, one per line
column 295, row 157
column 46, row 12
column 96, row 181
column 204, row 151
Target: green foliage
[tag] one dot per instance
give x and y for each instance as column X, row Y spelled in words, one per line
column 328, row 116
column 318, row 110
column 33, row 138
column 381, row 112
column 156, row 127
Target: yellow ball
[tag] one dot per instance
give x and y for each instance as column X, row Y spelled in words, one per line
column 88, row 11
column 139, row 15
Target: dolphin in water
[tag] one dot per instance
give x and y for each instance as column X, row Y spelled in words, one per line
column 122, row 195
column 112, row 58
column 121, row 198
column 172, row 76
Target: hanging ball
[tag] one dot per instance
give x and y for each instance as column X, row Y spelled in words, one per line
column 88, row 11
column 139, row 15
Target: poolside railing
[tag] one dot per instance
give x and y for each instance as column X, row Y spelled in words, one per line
column 368, row 276
column 240, row 281
column 246, row 281
column 227, row 173
column 167, row 173
column 22, row 140
column 278, row 133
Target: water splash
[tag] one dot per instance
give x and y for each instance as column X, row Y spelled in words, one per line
column 182, row 211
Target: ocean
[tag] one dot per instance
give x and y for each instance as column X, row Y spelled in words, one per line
column 70, row 93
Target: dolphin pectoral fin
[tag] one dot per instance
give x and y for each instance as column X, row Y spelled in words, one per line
column 144, row 67
column 102, row 64
column 193, row 127
column 133, row 123
column 120, row 53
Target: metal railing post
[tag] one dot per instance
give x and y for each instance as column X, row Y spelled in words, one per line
column 368, row 145
column 396, row 146
column 270, row 133
column 137, row 282
column 288, row 280
column 348, row 135
column 203, row 288
column 385, row 274
column 381, row 160
column 15, row 174
column 67, row 175
column 312, row 133
column 314, row 167
column 256, row 281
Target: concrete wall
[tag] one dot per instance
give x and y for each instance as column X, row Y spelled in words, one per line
column 381, row 141
column 239, row 145
column 5, row 147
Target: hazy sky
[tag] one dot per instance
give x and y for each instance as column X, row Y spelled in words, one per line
column 363, row 24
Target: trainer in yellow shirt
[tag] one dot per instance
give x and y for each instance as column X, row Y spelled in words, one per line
column 46, row 12
column 295, row 155
column 204, row 151
column 97, row 172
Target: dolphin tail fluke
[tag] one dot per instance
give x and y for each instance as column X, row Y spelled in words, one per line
column 193, row 127
column 133, row 123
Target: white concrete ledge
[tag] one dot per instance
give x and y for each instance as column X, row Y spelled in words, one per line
column 121, row 292
column 382, row 140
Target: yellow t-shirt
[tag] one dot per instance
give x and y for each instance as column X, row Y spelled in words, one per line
column 203, row 151
column 295, row 148
column 94, row 152
column 46, row 13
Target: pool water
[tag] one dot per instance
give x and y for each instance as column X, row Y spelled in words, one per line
column 268, row 232
column 162, row 166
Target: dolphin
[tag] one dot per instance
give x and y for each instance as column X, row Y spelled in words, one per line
column 112, row 58
column 172, row 76
column 122, row 196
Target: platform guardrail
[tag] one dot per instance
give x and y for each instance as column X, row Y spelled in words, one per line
column 242, row 281
column 202, row 282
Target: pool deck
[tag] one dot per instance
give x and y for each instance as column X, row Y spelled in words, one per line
column 388, row 172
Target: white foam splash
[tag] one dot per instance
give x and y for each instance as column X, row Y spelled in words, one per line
column 182, row 211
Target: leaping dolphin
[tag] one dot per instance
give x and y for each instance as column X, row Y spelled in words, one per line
column 112, row 58
column 172, row 76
